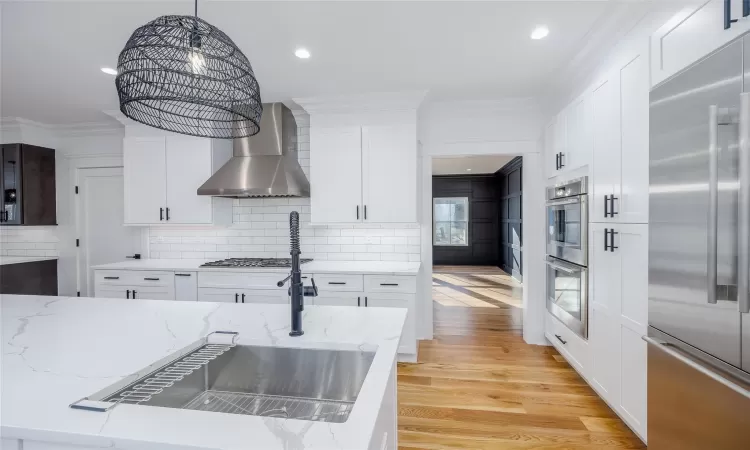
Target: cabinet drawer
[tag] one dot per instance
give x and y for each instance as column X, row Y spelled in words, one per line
column 241, row 280
column 338, row 299
column 134, row 278
column 391, row 283
column 569, row 344
column 334, row 282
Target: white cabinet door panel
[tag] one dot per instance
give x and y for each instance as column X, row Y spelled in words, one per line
column 336, row 174
column 632, row 204
column 550, row 160
column 186, row 286
column 633, row 375
column 408, row 337
column 152, row 292
column 144, row 175
column 694, row 32
column 218, row 295
column 110, row 291
column 278, row 297
column 338, row 299
column 606, row 145
column 389, row 174
column 188, row 167
column 632, row 243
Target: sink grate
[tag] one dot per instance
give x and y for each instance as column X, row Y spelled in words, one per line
column 271, row 406
column 144, row 390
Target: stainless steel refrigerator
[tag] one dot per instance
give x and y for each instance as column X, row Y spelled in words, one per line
column 699, row 266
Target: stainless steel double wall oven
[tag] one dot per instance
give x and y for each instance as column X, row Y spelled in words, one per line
column 567, row 253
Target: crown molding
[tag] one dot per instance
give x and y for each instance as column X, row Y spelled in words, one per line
column 68, row 130
column 372, row 102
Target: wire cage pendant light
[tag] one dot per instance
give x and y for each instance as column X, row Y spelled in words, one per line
column 182, row 74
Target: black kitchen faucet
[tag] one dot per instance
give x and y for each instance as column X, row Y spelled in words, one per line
column 297, row 291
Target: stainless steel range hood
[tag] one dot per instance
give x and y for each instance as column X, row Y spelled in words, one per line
column 264, row 165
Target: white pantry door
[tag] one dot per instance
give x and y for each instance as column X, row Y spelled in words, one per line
column 100, row 225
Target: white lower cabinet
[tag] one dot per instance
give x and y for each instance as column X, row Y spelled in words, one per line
column 241, row 296
column 134, row 284
column 186, row 286
column 618, row 267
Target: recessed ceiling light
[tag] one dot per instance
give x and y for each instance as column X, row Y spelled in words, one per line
column 109, row 71
column 302, row 53
column 540, row 32
column 468, row 170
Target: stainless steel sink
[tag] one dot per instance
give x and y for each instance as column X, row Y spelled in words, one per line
column 306, row 384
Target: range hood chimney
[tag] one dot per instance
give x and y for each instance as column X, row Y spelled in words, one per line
column 264, row 165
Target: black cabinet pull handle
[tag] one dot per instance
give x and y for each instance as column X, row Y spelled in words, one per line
column 127, row 293
column 365, row 301
column 243, row 298
column 161, row 213
column 612, row 211
column 389, row 284
column 612, row 234
column 606, row 205
column 135, row 256
column 561, row 339
column 358, row 301
column 150, row 279
column 557, row 161
column 236, row 298
column 561, row 160
column 357, row 212
column 337, row 282
column 606, row 239
column 111, row 278
column 167, row 213
column 728, row 21
column 365, row 212
column 182, row 274
column 133, row 293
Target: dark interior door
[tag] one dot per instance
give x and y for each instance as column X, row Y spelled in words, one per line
column 511, row 217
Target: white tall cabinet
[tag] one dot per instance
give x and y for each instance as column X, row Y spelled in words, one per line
column 162, row 175
column 606, row 129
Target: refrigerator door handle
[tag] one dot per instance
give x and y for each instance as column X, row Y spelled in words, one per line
column 713, row 200
column 743, row 225
column 672, row 351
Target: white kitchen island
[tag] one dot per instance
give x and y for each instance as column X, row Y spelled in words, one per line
column 58, row 350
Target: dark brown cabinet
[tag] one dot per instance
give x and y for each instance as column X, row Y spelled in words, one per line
column 27, row 179
column 29, row 278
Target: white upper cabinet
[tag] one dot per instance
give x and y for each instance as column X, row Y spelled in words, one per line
column 568, row 138
column 694, row 32
column 162, row 176
column 144, row 177
column 363, row 174
column 620, row 154
column 336, row 174
column 389, row 173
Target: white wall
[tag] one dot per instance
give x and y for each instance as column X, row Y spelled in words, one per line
column 503, row 127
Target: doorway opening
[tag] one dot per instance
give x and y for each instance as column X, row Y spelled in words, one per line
column 477, row 245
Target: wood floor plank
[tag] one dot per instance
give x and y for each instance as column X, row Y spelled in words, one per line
column 478, row 385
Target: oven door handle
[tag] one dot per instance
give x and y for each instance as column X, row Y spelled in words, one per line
column 563, row 268
column 563, row 201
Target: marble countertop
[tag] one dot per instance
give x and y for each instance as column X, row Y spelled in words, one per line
column 57, row 350
column 23, row 259
column 352, row 267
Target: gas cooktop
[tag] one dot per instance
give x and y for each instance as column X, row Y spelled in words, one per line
column 254, row 262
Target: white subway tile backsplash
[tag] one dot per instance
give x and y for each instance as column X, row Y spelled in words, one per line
column 29, row 241
column 260, row 229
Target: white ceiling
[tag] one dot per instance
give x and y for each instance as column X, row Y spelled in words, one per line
column 477, row 164
column 52, row 51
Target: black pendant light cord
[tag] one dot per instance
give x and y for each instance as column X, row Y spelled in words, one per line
column 196, row 8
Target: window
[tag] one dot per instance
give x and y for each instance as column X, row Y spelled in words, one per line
column 450, row 221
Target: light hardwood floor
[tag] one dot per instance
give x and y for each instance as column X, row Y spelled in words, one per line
column 478, row 385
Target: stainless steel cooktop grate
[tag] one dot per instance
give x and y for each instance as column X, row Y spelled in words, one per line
column 271, row 406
